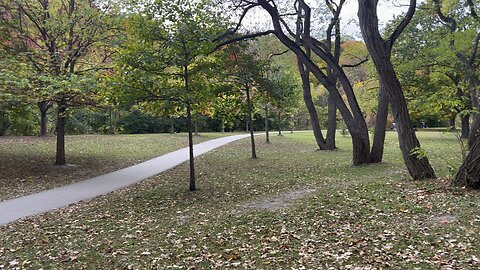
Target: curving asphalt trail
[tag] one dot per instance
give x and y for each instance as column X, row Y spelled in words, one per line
column 45, row 201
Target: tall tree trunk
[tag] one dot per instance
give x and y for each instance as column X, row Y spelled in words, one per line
column 472, row 137
column 186, row 81
column 469, row 173
column 60, row 129
column 380, row 127
column 267, row 129
column 307, row 98
column 279, row 123
column 380, row 50
column 351, row 114
column 43, row 106
column 190, row 147
column 419, row 168
column 331, row 124
column 250, row 121
column 465, row 126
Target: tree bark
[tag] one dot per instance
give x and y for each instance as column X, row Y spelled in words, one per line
column 307, row 98
column 186, row 79
column 190, row 148
column 465, row 126
column 60, row 129
column 376, row 154
column 351, row 114
column 43, row 106
column 331, row 124
column 279, row 123
column 250, row 121
column 267, row 130
column 380, row 50
column 469, row 173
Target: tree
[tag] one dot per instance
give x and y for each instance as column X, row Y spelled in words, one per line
column 57, row 39
column 430, row 72
column 281, row 93
column 247, row 72
column 380, row 51
column 351, row 113
column 467, row 22
column 165, row 59
column 469, row 173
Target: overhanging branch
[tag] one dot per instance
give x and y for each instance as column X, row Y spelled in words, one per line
column 406, row 20
column 243, row 37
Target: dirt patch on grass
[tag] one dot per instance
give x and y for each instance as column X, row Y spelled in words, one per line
column 444, row 219
column 279, row 202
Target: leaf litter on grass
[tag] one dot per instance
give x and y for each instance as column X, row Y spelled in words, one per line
column 358, row 218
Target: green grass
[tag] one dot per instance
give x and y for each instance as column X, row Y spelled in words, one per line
column 26, row 163
column 370, row 217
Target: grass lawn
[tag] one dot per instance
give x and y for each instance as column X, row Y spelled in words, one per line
column 26, row 163
column 292, row 208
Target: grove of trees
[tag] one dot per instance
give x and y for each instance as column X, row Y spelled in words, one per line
column 87, row 66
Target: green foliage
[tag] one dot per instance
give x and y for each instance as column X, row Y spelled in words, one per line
column 165, row 62
column 427, row 64
column 418, row 152
column 55, row 48
column 18, row 119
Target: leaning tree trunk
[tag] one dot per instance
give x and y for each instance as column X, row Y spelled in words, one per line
column 331, row 124
column 307, row 98
column 469, row 173
column 475, row 104
column 380, row 52
column 353, row 118
column 60, row 129
column 43, row 106
column 250, row 121
column 267, row 130
column 376, row 154
column 418, row 167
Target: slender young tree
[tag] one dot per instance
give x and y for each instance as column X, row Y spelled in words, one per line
column 166, row 59
column 246, row 70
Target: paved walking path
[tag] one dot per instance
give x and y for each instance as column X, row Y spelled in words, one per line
column 45, row 201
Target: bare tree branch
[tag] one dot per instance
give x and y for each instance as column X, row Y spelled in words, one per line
column 356, row 64
column 243, row 37
column 239, row 23
column 403, row 24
